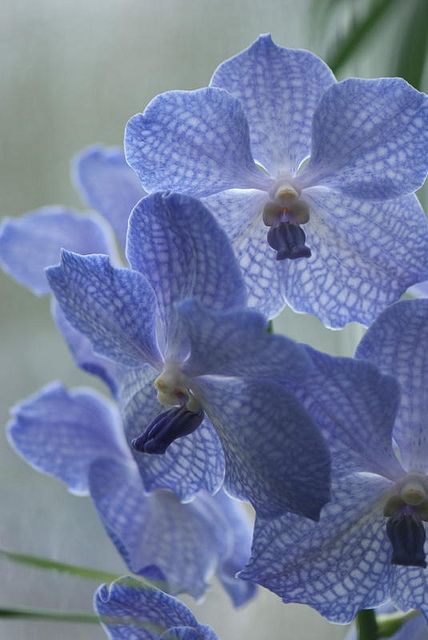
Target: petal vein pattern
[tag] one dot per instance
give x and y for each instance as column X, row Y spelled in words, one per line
column 337, row 566
column 131, row 610
column 204, row 136
column 269, row 443
column 280, row 90
column 370, row 139
column 115, row 308
column 396, row 344
column 177, row 245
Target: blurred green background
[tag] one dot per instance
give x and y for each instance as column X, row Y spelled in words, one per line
column 71, row 74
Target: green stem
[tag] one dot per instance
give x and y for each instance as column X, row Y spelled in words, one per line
column 367, row 628
column 47, row 615
column 46, row 563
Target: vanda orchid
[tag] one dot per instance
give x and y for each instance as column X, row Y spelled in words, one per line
column 370, row 544
column 310, row 178
column 199, row 375
column 275, row 185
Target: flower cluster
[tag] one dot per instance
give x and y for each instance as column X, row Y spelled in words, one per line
column 274, row 185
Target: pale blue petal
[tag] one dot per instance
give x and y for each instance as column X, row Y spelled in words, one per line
column 61, row 433
column 178, row 246
column 108, row 185
column 33, row 242
column 156, row 534
column 114, row 308
column 83, row 353
column 409, row 590
column 236, row 343
column 396, row 343
column 279, row 90
column 131, row 610
column 339, row 565
column 364, row 256
column 415, row 629
column 190, row 464
column 269, row 443
column 370, row 139
column 240, row 214
column 238, row 211
column 237, row 518
column 194, row 142
column 346, row 398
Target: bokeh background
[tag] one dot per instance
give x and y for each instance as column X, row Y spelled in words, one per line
column 71, row 73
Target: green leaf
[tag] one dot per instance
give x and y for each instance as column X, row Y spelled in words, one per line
column 413, row 50
column 45, row 563
column 47, row 615
column 351, row 40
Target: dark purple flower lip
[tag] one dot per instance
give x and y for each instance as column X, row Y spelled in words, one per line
column 406, row 510
column 167, row 427
column 288, row 240
column 406, row 532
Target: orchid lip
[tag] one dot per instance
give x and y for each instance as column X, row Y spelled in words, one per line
column 167, row 427
column 406, row 532
column 288, row 240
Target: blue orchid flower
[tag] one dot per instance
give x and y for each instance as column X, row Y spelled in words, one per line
column 190, row 465
column 369, row 545
column 194, row 362
column 130, row 610
column 77, row 437
column 340, row 235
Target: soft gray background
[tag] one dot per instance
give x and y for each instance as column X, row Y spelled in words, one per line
column 71, row 73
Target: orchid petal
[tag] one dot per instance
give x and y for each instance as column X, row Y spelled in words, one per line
column 396, row 344
column 114, row 308
column 279, row 90
column 194, row 142
column 370, row 139
column 108, row 185
column 34, row 241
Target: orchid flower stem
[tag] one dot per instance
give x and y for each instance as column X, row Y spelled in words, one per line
column 47, row 615
column 367, row 628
